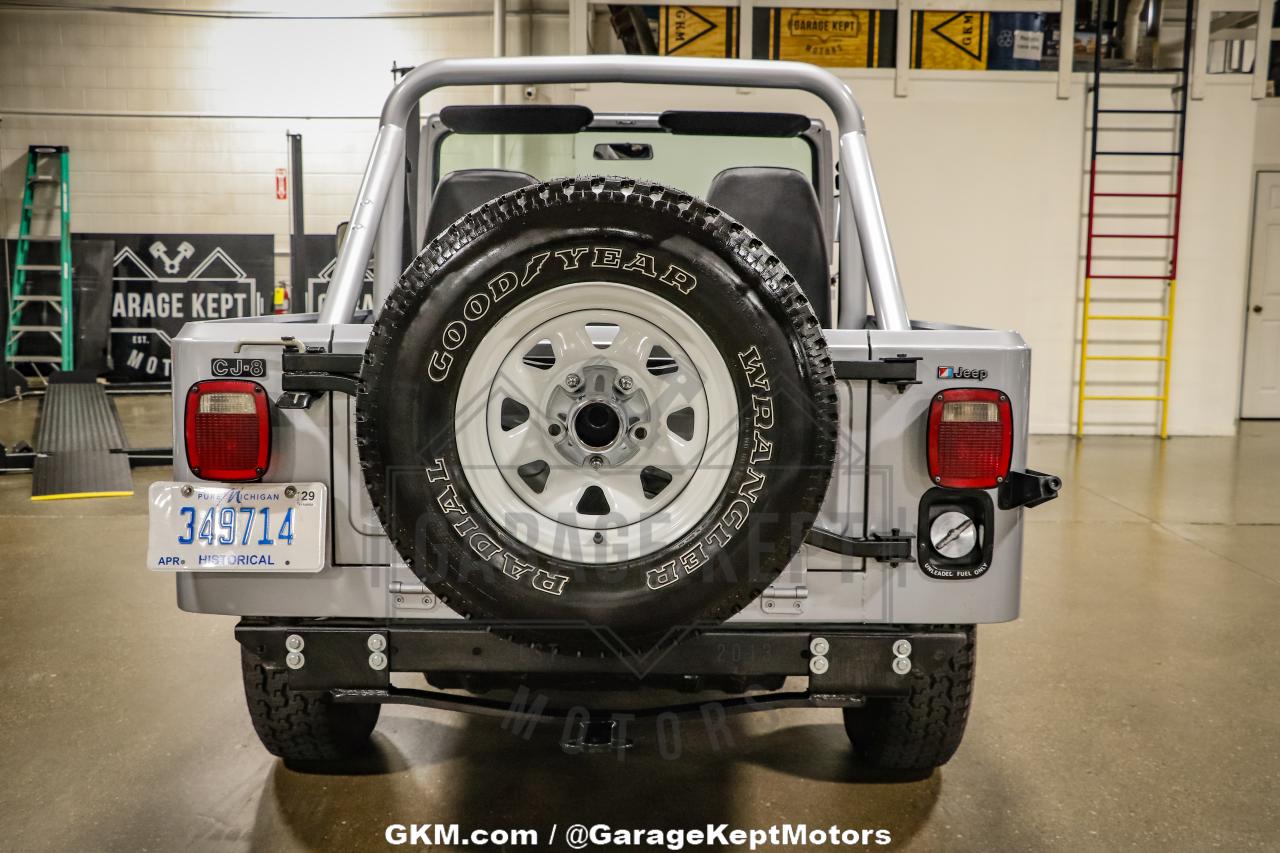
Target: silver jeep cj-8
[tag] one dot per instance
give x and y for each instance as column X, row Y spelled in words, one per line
column 604, row 431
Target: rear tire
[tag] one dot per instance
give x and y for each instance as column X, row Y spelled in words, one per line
column 301, row 726
column 923, row 729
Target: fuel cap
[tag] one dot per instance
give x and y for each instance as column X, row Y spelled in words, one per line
column 953, row 534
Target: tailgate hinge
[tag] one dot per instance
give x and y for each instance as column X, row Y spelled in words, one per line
column 307, row 375
column 892, row 549
column 784, row 600
column 899, row 370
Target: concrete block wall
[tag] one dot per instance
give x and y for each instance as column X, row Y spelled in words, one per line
column 177, row 124
column 983, row 178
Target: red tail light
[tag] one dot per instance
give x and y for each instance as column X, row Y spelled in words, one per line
column 228, row 430
column 970, row 438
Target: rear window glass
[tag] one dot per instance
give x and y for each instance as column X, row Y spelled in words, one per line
column 684, row 162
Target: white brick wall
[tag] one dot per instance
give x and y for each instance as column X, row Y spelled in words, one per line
column 985, row 221
column 207, row 174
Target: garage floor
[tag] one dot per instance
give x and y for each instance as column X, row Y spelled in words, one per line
column 1134, row 705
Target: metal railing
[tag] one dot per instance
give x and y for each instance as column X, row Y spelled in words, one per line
column 580, row 23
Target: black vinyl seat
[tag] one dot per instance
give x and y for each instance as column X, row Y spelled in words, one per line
column 780, row 206
column 462, row 191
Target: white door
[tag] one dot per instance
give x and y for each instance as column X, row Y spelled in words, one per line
column 1261, row 394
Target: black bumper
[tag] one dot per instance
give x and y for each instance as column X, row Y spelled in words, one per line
column 858, row 662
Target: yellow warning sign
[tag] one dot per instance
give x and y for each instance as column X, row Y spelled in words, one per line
column 846, row 38
column 956, row 40
column 698, row 31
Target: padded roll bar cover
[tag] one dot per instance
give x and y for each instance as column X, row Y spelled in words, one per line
column 733, row 123
column 461, row 192
column 516, row 118
column 780, row 206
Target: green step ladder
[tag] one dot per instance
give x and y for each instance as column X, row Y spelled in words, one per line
column 35, row 304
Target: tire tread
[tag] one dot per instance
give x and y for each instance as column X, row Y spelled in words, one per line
column 301, row 726
column 923, row 729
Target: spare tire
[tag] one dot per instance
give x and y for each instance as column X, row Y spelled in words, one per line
column 596, row 413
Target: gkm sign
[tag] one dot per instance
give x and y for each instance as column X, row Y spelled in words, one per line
column 159, row 282
column 318, row 284
column 698, row 31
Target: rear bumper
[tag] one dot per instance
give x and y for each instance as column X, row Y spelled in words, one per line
column 359, row 656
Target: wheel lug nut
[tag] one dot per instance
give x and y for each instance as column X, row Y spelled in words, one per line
column 625, row 384
column 595, row 462
column 572, row 381
column 553, row 430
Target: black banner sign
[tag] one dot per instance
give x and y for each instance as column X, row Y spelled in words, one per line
column 308, row 296
column 162, row 281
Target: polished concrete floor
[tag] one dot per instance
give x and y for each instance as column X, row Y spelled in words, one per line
column 1135, row 706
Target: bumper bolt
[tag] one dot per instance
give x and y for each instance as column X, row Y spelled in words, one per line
column 290, row 491
column 294, row 660
column 186, row 491
column 818, row 665
column 902, row 648
column 376, row 643
column 377, row 661
column 819, row 646
column 294, row 643
column 902, row 665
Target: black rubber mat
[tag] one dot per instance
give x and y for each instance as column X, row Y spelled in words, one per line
column 80, row 445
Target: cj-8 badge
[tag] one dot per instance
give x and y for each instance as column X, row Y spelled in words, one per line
column 238, row 367
column 961, row 373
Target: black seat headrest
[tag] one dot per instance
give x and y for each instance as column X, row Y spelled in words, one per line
column 461, row 192
column 780, row 206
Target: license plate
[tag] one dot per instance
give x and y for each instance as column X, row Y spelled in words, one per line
column 255, row 528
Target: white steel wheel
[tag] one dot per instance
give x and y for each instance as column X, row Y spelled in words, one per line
column 605, row 431
column 597, row 415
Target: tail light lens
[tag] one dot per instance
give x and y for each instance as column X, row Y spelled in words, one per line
column 228, row 430
column 970, row 438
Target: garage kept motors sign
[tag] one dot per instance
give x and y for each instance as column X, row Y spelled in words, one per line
column 162, row 281
column 843, row 38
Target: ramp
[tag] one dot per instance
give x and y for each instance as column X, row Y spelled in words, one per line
column 80, row 445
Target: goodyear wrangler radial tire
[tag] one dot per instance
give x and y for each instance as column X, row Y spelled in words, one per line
column 596, row 414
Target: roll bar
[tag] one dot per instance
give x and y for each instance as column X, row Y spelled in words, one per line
column 864, row 237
